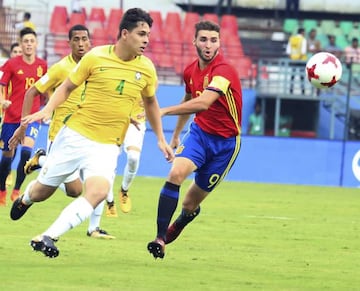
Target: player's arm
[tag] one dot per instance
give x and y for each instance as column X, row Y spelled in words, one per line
column 59, row 96
column 181, row 121
column 153, row 115
column 201, row 103
column 3, row 102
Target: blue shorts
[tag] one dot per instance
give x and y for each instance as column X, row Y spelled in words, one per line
column 8, row 130
column 213, row 155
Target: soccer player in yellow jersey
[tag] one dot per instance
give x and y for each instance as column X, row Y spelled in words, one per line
column 115, row 76
column 79, row 42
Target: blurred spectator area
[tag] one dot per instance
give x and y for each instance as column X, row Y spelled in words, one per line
column 170, row 46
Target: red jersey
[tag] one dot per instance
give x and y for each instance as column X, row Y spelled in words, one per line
column 19, row 77
column 223, row 117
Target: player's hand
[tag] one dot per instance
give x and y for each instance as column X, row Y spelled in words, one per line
column 167, row 151
column 163, row 112
column 18, row 137
column 40, row 115
column 175, row 142
column 5, row 104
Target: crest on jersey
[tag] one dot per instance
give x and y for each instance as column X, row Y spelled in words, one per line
column 179, row 150
column 39, row 71
column 138, row 76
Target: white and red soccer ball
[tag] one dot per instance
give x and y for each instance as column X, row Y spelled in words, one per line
column 323, row 70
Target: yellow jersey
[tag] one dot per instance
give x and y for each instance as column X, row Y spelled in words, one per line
column 297, row 45
column 113, row 88
column 56, row 74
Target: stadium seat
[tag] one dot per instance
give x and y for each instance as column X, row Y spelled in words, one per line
column 157, row 19
column 211, row 17
column 290, row 25
column 172, row 20
column 229, row 23
column 327, row 26
column 76, row 18
column 99, row 37
column 58, row 20
column 346, row 26
column 309, row 24
column 341, row 41
column 165, row 61
column 97, row 14
column 190, row 19
column 61, row 47
column 113, row 21
column 96, row 18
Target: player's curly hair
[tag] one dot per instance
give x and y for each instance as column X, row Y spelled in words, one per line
column 206, row 25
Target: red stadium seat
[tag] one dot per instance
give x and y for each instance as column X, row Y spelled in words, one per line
column 172, row 21
column 99, row 37
column 97, row 14
column 58, row 20
column 113, row 22
column 229, row 23
column 96, row 18
column 165, row 61
column 211, row 17
column 157, row 20
column 61, row 47
column 190, row 19
column 76, row 18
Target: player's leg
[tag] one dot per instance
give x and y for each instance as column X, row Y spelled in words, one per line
column 110, row 204
column 97, row 171
column 133, row 143
column 207, row 178
column 183, row 165
column 7, row 157
column 57, row 168
column 190, row 209
column 25, row 153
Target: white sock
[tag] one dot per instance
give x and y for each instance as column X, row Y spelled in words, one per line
column 72, row 215
column 26, row 199
column 132, row 165
column 95, row 217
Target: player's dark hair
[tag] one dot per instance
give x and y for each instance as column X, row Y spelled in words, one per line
column 25, row 31
column 14, row 45
column 27, row 15
column 78, row 27
column 206, row 25
column 131, row 17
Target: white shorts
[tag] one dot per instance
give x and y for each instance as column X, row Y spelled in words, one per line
column 134, row 137
column 70, row 178
column 72, row 152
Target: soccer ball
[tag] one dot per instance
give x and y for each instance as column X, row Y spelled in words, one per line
column 323, row 70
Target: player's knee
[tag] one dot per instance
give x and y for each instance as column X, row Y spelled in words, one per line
column 133, row 158
column 177, row 175
column 73, row 193
column 73, row 189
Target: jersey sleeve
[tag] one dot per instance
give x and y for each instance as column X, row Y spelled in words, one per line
column 6, row 73
column 221, row 80
column 50, row 80
column 82, row 70
column 150, row 89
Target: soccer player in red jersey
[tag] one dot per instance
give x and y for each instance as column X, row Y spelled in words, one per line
column 212, row 143
column 19, row 73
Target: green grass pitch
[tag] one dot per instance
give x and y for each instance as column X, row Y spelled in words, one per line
column 249, row 236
